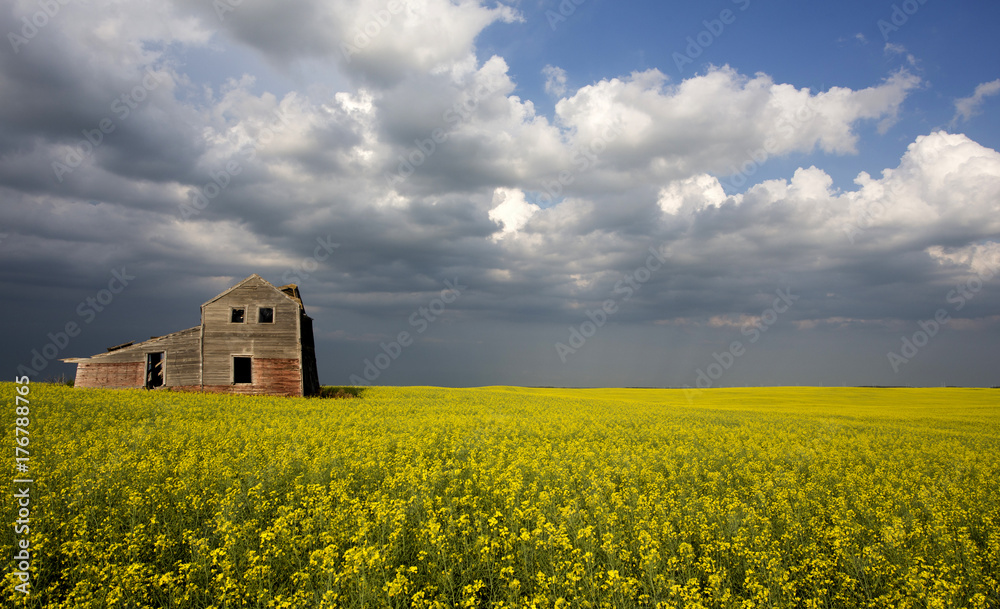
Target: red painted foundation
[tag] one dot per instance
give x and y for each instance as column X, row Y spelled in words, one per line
column 270, row 377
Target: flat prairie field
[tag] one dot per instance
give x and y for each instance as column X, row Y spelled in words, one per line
column 506, row 497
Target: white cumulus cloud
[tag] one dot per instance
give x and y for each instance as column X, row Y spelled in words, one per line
column 967, row 107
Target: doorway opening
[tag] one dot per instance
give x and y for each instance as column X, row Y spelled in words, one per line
column 154, row 370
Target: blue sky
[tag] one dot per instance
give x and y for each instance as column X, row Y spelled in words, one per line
column 810, row 44
column 834, row 153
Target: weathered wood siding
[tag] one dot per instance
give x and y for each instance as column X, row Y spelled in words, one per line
column 277, row 341
column 117, row 369
column 270, row 377
column 110, row 375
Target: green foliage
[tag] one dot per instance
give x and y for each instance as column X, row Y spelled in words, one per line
column 61, row 379
column 328, row 391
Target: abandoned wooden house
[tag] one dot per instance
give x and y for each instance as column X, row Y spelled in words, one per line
column 254, row 338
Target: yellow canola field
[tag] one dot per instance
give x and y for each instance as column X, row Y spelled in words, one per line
column 510, row 497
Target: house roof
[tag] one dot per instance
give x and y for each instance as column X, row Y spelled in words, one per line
column 134, row 346
column 290, row 291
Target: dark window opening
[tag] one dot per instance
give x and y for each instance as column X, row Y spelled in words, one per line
column 242, row 370
column 237, row 317
column 266, row 315
column 154, row 370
